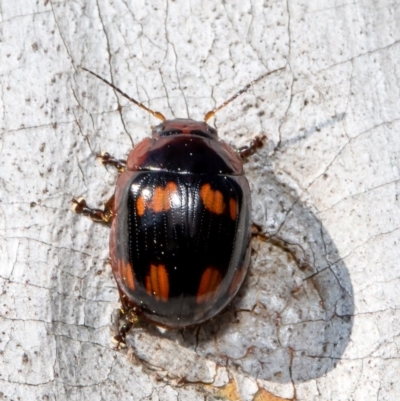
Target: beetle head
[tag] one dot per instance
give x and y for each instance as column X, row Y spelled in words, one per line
column 183, row 126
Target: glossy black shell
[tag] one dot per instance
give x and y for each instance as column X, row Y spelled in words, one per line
column 181, row 233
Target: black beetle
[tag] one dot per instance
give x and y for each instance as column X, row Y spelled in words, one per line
column 180, row 222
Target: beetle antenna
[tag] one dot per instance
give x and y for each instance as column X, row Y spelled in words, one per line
column 142, row 106
column 212, row 113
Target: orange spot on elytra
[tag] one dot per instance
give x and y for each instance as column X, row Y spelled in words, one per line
column 140, row 206
column 163, row 283
column 160, row 201
column 213, row 200
column 157, row 283
column 171, row 187
column 210, row 280
column 219, row 204
column 233, row 208
column 126, row 273
column 157, row 203
column 154, row 280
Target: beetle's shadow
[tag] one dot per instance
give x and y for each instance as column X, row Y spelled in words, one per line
column 292, row 319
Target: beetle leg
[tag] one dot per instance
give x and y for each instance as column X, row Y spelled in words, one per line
column 98, row 215
column 256, row 143
column 130, row 319
column 108, row 160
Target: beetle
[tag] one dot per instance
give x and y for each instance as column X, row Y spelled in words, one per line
column 180, row 222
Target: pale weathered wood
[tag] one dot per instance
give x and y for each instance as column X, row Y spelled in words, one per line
column 326, row 185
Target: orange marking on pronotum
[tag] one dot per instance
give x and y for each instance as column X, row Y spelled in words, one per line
column 210, row 280
column 213, row 200
column 233, row 208
column 126, row 272
column 140, row 206
column 157, row 283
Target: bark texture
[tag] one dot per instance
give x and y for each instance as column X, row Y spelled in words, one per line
column 319, row 315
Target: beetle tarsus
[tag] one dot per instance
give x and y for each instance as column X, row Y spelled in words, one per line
column 130, row 319
column 107, row 160
column 120, row 338
column 256, row 143
column 101, row 216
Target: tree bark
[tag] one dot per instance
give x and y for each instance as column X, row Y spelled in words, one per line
column 318, row 316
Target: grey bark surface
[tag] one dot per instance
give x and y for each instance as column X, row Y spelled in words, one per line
column 318, row 316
